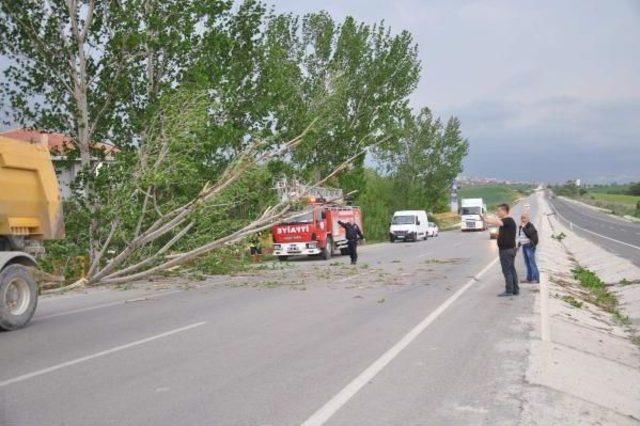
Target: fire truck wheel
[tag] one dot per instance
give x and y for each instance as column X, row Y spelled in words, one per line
column 283, row 258
column 328, row 249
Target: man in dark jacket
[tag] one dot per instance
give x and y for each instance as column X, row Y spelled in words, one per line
column 506, row 248
column 528, row 240
column 353, row 234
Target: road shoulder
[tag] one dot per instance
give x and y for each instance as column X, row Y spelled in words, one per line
column 583, row 366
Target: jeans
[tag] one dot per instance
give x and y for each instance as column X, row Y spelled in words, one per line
column 507, row 261
column 352, row 246
column 529, row 252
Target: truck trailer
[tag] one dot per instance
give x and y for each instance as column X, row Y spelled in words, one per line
column 30, row 211
column 315, row 231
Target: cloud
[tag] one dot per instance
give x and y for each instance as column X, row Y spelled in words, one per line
column 554, row 139
column 554, row 83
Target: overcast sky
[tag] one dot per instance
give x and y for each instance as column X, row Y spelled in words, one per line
column 546, row 89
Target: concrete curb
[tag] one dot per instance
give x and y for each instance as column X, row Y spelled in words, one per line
column 631, row 218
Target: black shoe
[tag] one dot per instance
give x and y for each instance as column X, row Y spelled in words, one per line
column 505, row 294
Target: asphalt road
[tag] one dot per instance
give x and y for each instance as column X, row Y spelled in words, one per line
column 414, row 335
column 615, row 234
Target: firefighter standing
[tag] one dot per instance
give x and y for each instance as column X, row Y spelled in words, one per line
column 353, row 234
column 255, row 247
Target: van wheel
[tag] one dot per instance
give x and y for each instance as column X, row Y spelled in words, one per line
column 283, row 258
column 18, row 297
column 328, row 249
column 344, row 251
column 392, row 240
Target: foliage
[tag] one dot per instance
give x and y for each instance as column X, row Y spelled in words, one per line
column 634, row 189
column 617, row 198
column 617, row 188
column 185, row 88
column 572, row 301
column 569, row 189
column 597, row 287
column 378, row 202
column 426, row 160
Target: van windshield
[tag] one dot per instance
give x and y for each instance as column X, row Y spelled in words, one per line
column 471, row 210
column 403, row 220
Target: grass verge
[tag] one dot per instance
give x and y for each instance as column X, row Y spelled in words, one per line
column 598, row 293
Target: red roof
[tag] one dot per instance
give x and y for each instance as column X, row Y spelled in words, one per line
column 58, row 142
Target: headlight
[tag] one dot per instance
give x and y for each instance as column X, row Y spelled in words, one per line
column 312, row 245
column 277, row 246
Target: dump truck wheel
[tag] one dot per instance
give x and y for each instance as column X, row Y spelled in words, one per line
column 18, row 297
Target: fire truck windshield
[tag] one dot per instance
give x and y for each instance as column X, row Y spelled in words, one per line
column 302, row 218
column 403, row 220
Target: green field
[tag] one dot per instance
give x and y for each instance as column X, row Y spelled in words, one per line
column 615, row 188
column 619, row 204
column 494, row 194
column 631, row 200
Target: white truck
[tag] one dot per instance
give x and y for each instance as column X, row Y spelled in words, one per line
column 471, row 211
column 409, row 225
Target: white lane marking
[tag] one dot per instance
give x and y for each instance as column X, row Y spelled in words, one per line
column 104, row 305
column 342, row 397
column 573, row 225
column 97, row 355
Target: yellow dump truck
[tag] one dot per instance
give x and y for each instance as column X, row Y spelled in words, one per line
column 30, row 211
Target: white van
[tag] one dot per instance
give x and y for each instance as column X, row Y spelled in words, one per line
column 408, row 225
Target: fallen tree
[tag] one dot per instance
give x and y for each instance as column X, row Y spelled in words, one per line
column 145, row 249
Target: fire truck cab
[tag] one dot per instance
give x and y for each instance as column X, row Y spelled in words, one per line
column 315, row 231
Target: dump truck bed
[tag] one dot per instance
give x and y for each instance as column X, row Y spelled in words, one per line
column 30, row 202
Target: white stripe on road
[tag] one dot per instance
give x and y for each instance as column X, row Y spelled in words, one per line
column 106, row 305
column 97, row 355
column 591, row 232
column 342, row 397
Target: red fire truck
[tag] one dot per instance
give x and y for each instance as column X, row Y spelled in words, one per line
column 315, row 231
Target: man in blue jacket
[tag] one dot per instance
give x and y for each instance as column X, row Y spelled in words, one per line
column 528, row 240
